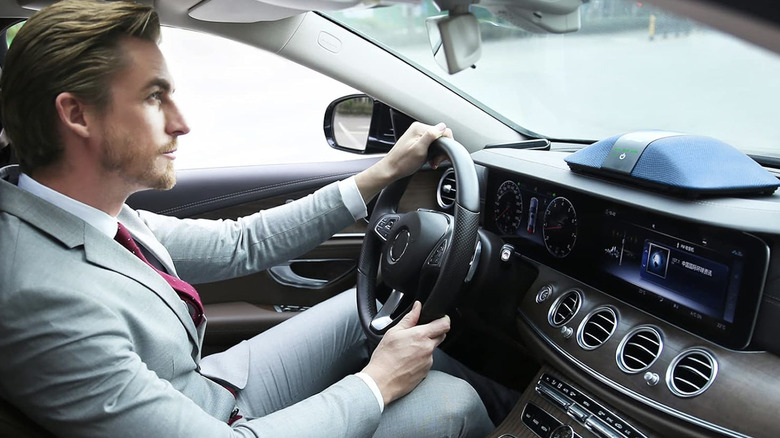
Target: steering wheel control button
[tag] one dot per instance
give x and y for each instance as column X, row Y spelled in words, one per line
column 400, row 244
column 384, row 226
column 436, row 256
column 544, row 293
column 538, row 420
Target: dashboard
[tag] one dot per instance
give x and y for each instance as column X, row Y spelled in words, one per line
column 656, row 309
column 704, row 279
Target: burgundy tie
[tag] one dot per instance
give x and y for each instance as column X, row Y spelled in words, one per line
column 186, row 292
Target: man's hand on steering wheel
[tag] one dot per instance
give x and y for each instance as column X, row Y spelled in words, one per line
column 405, row 158
column 405, row 354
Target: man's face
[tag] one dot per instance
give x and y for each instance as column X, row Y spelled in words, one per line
column 141, row 124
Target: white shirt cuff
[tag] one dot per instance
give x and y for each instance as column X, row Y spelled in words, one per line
column 352, row 198
column 374, row 388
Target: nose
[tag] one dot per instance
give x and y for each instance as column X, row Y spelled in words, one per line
column 176, row 125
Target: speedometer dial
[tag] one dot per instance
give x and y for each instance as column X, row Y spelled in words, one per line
column 508, row 208
column 560, row 227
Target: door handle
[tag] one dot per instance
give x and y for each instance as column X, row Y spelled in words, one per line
column 333, row 269
column 284, row 274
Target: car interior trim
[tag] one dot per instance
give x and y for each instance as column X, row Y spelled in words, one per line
column 603, row 379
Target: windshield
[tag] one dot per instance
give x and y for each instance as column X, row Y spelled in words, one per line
column 629, row 67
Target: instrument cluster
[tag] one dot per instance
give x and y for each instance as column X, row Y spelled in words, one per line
column 539, row 215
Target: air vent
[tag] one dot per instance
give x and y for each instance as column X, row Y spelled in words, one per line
column 639, row 349
column 691, row 373
column 596, row 328
column 564, row 308
column 445, row 194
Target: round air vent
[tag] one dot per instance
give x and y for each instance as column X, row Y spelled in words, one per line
column 639, row 349
column 691, row 373
column 445, row 194
column 564, row 308
column 596, row 328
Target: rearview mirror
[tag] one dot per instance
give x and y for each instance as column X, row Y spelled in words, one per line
column 455, row 40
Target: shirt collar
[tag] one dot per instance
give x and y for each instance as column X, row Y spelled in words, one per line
column 100, row 220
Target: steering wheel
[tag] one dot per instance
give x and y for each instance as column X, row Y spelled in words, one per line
column 422, row 255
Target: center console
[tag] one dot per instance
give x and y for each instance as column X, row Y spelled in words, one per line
column 555, row 408
column 641, row 307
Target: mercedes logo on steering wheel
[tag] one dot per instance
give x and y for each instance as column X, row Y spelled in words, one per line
column 399, row 246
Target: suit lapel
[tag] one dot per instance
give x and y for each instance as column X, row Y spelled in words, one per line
column 99, row 249
column 107, row 253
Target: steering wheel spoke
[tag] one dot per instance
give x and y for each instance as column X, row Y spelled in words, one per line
column 384, row 318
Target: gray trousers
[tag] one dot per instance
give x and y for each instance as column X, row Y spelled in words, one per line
column 306, row 354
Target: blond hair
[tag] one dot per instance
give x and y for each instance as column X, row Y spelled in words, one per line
column 70, row 46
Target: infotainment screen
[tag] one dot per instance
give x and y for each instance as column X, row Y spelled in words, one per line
column 675, row 268
column 707, row 280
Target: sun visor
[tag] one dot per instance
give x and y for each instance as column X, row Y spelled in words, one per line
column 253, row 11
column 688, row 165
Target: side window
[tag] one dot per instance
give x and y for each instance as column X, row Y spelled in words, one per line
column 246, row 106
column 10, row 33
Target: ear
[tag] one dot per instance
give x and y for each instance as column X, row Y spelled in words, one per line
column 73, row 115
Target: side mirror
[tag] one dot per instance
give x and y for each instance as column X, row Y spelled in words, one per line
column 362, row 125
column 350, row 120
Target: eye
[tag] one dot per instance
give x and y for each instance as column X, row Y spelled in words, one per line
column 156, row 96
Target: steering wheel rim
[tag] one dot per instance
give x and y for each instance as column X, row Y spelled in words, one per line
column 402, row 244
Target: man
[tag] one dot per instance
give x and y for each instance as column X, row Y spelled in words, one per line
column 98, row 334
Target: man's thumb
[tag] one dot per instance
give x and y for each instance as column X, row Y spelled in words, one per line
column 410, row 319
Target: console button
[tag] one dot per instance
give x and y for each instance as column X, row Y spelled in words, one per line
column 599, row 428
column 578, row 413
column 539, row 421
column 553, row 396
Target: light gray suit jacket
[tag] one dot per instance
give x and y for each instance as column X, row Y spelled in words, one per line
column 93, row 343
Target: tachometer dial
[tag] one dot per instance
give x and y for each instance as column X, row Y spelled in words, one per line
column 508, row 208
column 560, row 227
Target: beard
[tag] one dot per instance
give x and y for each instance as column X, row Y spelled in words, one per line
column 137, row 166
